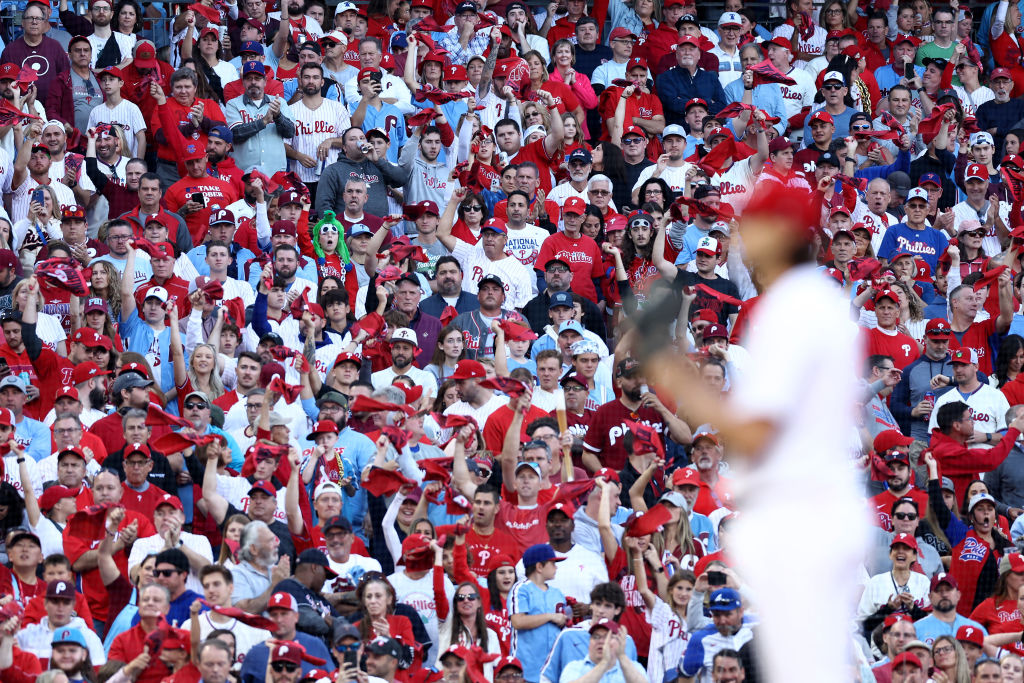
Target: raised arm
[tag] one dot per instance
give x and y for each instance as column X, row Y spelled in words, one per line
column 444, row 226
column 216, row 504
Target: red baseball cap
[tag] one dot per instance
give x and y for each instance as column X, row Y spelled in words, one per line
column 283, row 601
column 67, row 392
column 574, row 205
column 938, row 327
column 635, row 130
column 976, row 171
column 970, row 634
column 608, row 474
column 54, row 495
column 904, row 539
column 9, row 71
column 85, row 371
column 686, row 476
column 264, row 486
column 894, row 619
column 781, row 42
column 943, row 577
column 1001, row 72
column 821, row 115
column 469, row 369
column 906, row 658
column 168, row 499
column 566, row 508
column 889, row 439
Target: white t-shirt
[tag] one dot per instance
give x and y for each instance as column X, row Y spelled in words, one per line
column 385, row 377
column 312, row 127
column 350, row 572
column 577, row 575
column 988, row 408
column 520, row 284
column 419, row 594
column 154, row 544
column 246, row 637
column 524, row 244
column 972, row 100
column 736, row 184
column 815, row 45
column 675, row 176
column 125, row 113
column 962, row 211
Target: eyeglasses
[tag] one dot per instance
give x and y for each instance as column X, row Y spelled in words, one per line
column 474, row 207
column 833, row 11
column 192, row 405
column 466, row 597
column 485, row 473
column 944, row 650
column 67, row 432
column 833, row 86
column 510, row 677
column 558, row 269
column 165, row 572
column 32, row 19
column 633, row 141
column 600, row 193
column 905, row 515
column 284, row 667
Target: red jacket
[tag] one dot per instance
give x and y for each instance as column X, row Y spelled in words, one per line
column 963, row 464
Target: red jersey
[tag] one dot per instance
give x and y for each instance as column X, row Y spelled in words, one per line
column 976, row 337
column 882, row 504
column 92, row 585
column 641, row 105
column 546, row 163
column 143, row 502
column 608, row 430
column 901, row 347
column 130, row 644
column 175, row 286
column 57, row 302
column 1001, row 617
column 526, row 526
column 217, row 194
column 10, row 584
column 583, row 256
column 49, row 372
column 498, row 621
column 179, row 113
column 35, row 610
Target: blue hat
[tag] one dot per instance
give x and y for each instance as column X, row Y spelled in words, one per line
column 725, row 600
column 570, row 325
column 542, row 552
column 222, row 133
column 68, row 635
column 254, row 68
column 251, row 46
column 932, row 178
column 399, row 40
column 560, row 299
column 359, row 229
column 580, row 154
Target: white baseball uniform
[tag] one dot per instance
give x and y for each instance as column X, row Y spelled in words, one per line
column 312, row 127
column 127, row 115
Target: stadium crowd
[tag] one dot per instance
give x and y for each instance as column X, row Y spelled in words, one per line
column 326, row 332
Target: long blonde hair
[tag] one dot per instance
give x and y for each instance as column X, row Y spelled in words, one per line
column 215, row 383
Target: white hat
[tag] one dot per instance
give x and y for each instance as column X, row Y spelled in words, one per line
column 730, row 19
column 345, row 7
column 834, row 76
column 159, row 293
column 709, row 244
column 533, row 129
column 982, row 137
column 339, row 36
column 406, row 335
column 326, row 487
column 917, row 193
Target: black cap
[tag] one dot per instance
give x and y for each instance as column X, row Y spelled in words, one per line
column 10, row 315
column 272, row 337
column 384, row 646
column 939, row 62
column 317, row 557
column 627, row 366
column 491, row 277
column 174, row 557
column 312, row 46
column 828, row 158
column 343, row 628
column 466, row 6
column 338, row 522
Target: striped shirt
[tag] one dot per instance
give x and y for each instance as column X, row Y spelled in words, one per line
column 312, row 127
column 127, row 115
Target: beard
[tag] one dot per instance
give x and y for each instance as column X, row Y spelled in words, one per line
column 310, row 90
column 633, row 394
column 401, row 362
column 214, row 157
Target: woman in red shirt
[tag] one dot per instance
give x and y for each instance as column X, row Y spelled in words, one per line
column 501, row 576
column 565, row 99
column 376, row 601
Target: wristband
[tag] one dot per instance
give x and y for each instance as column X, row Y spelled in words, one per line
column 660, row 570
column 21, row 460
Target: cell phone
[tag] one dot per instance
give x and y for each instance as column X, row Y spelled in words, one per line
column 908, row 70
column 716, row 578
column 5, row 369
column 39, row 196
column 198, row 198
column 351, row 658
column 376, row 76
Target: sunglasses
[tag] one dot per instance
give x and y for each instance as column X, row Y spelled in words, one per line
column 351, row 647
column 976, row 233
column 600, row 193
column 165, row 572
column 192, row 405
column 465, row 597
column 864, row 127
column 284, row 667
column 905, row 515
column 833, row 86
column 633, row 141
column 475, row 207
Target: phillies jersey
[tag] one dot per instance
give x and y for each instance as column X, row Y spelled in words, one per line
column 608, row 430
column 526, row 526
column 584, row 259
column 538, row 154
column 641, row 105
column 901, row 347
column 312, row 127
column 217, row 194
column 882, row 504
column 976, row 337
column 736, row 184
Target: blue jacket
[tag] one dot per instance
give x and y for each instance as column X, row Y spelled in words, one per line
column 677, row 87
column 767, row 96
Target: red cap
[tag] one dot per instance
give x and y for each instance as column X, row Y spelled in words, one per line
column 568, row 509
column 635, row 62
column 619, row 32
column 943, row 577
column 890, row 439
column 505, row 662
column 469, row 369
column 904, row 539
column 781, row 42
column 284, row 227
column 938, row 327
column 821, row 115
column 367, row 71
column 608, row 474
column 574, row 205
column 976, row 171
column 686, row 476
column 887, row 294
column 323, row 427
column 836, row 210
column 72, row 211
column 54, row 495
column 137, row 448
column 112, row 71
column 168, row 499
column 1001, row 72
column 6, row 417
column 893, row 619
column 9, row 71
column 346, row 357
column 209, row 31
column 970, row 634
column 264, row 486
column 710, row 436
column 456, row 72
column 906, row 658
column 283, row 601
column 1015, row 562
column 635, row 130
column 705, row 315
column 67, row 392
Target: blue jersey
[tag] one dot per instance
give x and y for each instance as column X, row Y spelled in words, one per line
column 389, row 119
column 928, row 243
column 34, row 437
column 140, row 338
column 930, row 628
column 356, row 452
column 572, row 644
column 531, row 646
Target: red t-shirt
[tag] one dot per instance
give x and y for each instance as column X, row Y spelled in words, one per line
column 145, row 502
column 49, row 372
column 882, row 504
column 634, row 615
column 92, row 585
column 583, row 256
column 642, row 105
column 175, row 286
column 498, row 422
column 565, row 99
column 901, row 347
column 180, row 114
column 538, row 154
column 608, row 430
column 976, row 337
column 217, row 193
column 21, row 591
column 997, row 618
column 526, row 526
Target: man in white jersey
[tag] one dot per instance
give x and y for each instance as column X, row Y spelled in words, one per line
column 218, row 585
column 873, row 211
column 670, row 166
column 795, row 97
column 319, row 124
column 988, row 405
column 774, row 421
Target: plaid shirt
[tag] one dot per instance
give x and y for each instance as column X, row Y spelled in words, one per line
column 460, row 55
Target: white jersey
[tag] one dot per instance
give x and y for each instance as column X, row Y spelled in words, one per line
column 877, row 224
column 736, row 184
column 675, row 176
column 972, row 100
column 881, row 587
column 246, row 637
column 124, row 113
column 419, row 594
column 800, row 400
column 520, row 284
column 22, row 195
column 988, row 408
column 815, row 45
column 197, row 543
column 236, row 491
column 798, row 96
column 669, row 639
column 480, row 414
column 57, row 176
column 524, row 244
column 963, row 211
column 312, row 127
column 577, row 575
column 385, row 378
column 349, row 573
column 37, row 638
